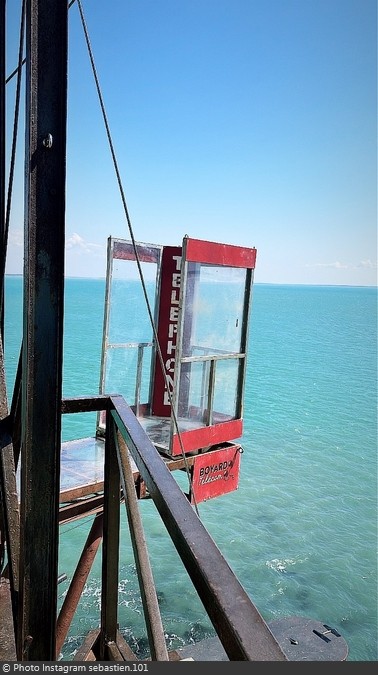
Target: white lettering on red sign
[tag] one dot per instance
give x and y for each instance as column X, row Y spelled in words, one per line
column 172, row 327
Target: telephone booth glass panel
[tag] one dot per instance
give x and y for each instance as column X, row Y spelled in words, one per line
column 128, row 346
column 211, row 350
column 130, row 338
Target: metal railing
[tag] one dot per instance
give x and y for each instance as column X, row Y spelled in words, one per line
column 239, row 625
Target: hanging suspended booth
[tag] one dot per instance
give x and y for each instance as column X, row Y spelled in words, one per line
column 175, row 347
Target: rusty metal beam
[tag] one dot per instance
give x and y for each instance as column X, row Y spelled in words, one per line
column 243, row 632
column 72, row 494
column 125, row 649
column 45, row 169
column 110, row 548
column 11, row 524
column 152, row 617
column 85, row 404
column 78, row 582
column 3, row 415
column 112, row 652
column 9, row 509
column 81, row 508
column 15, row 412
column 7, row 642
column 86, row 651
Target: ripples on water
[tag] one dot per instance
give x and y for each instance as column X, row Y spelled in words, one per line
column 301, row 530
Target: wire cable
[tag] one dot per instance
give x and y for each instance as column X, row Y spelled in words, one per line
column 130, row 228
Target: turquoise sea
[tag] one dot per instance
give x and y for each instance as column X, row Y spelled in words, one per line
column 301, row 530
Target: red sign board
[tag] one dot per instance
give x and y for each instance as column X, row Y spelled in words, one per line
column 216, row 473
column 213, row 253
column 167, row 329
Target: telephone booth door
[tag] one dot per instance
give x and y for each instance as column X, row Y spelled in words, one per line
column 212, row 344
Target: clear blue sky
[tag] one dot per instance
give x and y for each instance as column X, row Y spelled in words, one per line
column 252, row 122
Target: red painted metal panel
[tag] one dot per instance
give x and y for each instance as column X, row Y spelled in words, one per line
column 213, row 253
column 167, row 328
column 215, row 473
column 124, row 250
column 204, row 437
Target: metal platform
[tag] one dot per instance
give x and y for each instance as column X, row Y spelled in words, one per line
column 210, row 649
column 82, row 463
column 303, row 639
column 82, row 469
column 300, row 638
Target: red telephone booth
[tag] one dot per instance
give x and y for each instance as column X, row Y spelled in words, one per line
column 175, row 345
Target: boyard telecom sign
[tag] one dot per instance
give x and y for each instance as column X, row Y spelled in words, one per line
column 216, row 473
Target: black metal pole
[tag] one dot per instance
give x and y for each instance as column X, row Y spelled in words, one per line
column 45, row 169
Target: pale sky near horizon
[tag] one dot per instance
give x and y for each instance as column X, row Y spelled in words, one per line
column 251, row 122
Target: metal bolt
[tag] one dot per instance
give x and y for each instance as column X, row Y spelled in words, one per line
column 48, row 141
column 27, row 642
